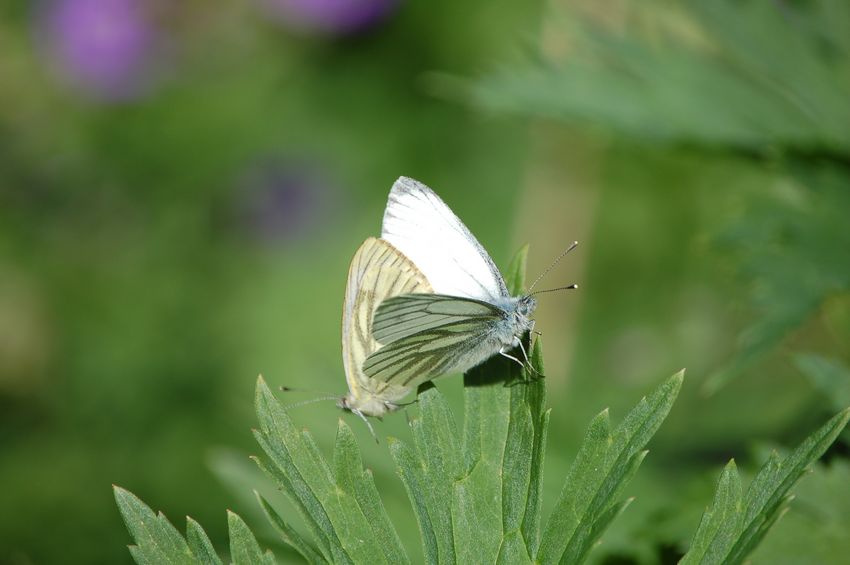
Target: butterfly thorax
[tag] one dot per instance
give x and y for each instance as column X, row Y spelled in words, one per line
column 507, row 332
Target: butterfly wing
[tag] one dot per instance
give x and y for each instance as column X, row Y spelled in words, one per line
column 429, row 338
column 420, row 225
column 377, row 272
column 402, row 316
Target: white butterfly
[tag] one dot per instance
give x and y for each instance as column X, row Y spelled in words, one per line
column 459, row 314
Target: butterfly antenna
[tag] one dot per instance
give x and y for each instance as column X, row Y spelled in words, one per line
column 568, row 287
column 285, row 388
column 311, row 401
column 552, row 266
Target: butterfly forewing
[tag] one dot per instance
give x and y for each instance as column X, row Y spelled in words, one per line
column 433, row 344
column 401, row 316
column 420, row 225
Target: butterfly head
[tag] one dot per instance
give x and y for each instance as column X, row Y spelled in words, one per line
column 525, row 306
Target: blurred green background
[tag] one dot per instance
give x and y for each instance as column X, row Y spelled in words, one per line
column 183, row 185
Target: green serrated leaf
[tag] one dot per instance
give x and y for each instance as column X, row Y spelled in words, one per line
column 288, row 534
column 767, row 495
column 720, row 523
column 478, row 499
column 244, row 549
column 605, row 463
column 536, row 397
column 806, row 535
column 436, row 451
column 734, row 525
column 352, row 478
column 157, row 540
column 411, row 473
column 340, row 505
column 200, row 544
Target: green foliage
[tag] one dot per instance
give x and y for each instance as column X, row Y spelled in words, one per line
column 829, row 376
column 741, row 74
column 157, row 541
column 476, row 490
column 476, row 494
column 604, row 465
column 734, row 524
column 339, row 503
column 760, row 78
column 815, row 530
column 791, row 249
column 243, row 545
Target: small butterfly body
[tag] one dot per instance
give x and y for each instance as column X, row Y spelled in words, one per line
column 422, row 301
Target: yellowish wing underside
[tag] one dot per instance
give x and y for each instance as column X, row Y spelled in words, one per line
column 377, row 272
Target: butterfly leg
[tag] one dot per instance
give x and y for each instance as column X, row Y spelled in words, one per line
column 368, row 423
column 511, row 357
column 527, row 365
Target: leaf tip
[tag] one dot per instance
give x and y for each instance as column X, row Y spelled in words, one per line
column 678, row 377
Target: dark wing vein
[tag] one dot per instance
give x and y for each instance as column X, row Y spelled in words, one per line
column 428, row 354
column 403, row 316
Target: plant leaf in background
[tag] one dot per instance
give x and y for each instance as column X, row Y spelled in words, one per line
column 757, row 78
column 793, row 250
column 829, row 376
column 733, row 525
column 719, row 73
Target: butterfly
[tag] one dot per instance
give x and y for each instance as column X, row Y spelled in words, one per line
column 423, row 301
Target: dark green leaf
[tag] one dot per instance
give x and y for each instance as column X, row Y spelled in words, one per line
column 767, row 495
column 734, row 525
column 720, row 524
column 200, row 544
column 341, row 505
column 289, row 535
column 605, row 463
column 244, row 549
column 157, row 541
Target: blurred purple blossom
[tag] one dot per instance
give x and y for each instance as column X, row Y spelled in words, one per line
column 103, row 46
column 336, row 17
column 284, row 201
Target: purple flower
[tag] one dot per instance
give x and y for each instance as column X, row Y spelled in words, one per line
column 102, row 46
column 334, row 17
column 284, row 201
